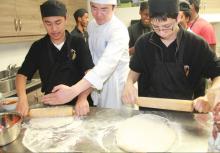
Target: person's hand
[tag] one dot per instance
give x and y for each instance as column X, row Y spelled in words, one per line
column 216, row 119
column 61, row 94
column 82, row 107
column 22, row 106
column 216, row 113
column 130, row 94
column 202, row 105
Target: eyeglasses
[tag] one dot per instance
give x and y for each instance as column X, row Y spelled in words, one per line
column 164, row 28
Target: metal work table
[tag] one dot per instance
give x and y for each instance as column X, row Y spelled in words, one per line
column 192, row 134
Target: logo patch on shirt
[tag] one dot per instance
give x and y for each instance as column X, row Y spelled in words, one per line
column 73, row 54
column 186, row 69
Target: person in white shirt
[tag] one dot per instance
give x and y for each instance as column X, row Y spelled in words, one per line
column 108, row 43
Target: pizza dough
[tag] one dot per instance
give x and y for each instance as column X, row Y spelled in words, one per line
column 145, row 133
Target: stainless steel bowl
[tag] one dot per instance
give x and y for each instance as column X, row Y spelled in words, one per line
column 10, row 127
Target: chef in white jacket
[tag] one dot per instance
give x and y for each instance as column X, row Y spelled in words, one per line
column 108, row 43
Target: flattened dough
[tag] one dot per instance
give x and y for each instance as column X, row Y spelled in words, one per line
column 145, row 133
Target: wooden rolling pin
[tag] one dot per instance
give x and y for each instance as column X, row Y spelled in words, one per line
column 52, row 111
column 168, row 104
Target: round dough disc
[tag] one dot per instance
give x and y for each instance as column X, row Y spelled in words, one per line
column 145, row 133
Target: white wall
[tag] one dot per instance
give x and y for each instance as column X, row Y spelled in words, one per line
column 13, row 54
column 127, row 14
column 217, row 31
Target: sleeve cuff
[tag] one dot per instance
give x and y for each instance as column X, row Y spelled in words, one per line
column 94, row 80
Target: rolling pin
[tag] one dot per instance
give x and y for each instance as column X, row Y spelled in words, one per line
column 168, row 104
column 51, row 112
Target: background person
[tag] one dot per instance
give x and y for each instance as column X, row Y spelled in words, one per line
column 204, row 29
column 184, row 14
column 167, row 62
column 59, row 57
column 200, row 26
column 108, row 43
column 137, row 29
column 81, row 17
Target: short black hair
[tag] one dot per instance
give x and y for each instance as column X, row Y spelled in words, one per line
column 185, row 8
column 79, row 13
column 196, row 4
column 143, row 6
column 163, row 9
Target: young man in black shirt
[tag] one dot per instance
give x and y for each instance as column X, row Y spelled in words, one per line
column 81, row 17
column 59, row 57
column 142, row 26
column 169, row 61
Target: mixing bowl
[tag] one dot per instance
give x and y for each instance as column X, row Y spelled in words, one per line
column 10, row 127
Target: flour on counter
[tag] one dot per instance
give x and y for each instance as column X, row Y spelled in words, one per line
column 64, row 134
column 50, row 122
column 52, row 134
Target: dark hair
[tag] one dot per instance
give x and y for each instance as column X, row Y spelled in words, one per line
column 163, row 9
column 196, row 4
column 185, row 8
column 163, row 16
column 79, row 13
column 143, row 6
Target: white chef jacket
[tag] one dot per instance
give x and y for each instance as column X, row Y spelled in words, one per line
column 108, row 44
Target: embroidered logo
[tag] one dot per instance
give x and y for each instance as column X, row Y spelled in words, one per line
column 186, row 69
column 73, row 54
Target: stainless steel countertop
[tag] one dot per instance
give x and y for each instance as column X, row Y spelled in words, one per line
column 192, row 134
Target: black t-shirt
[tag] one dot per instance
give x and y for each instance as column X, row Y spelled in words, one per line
column 78, row 33
column 66, row 66
column 197, row 55
column 136, row 30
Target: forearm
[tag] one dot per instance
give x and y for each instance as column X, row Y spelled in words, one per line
column 82, row 87
column 213, row 92
column 215, row 83
column 132, row 77
column 131, row 51
column 85, row 93
column 21, row 85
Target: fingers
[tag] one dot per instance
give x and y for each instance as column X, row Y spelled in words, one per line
column 56, row 88
column 129, row 98
column 214, row 131
column 50, row 99
column 82, row 108
column 23, row 110
column 216, row 113
column 82, row 111
column 216, row 108
column 201, row 105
